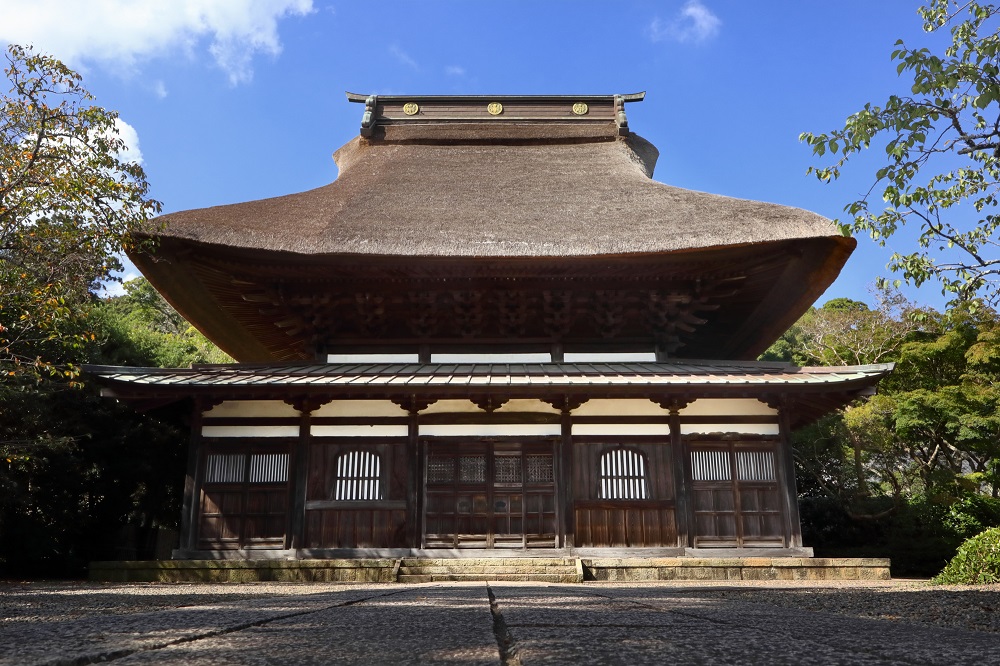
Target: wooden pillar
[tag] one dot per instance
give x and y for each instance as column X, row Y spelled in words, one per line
column 567, row 470
column 786, row 477
column 300, row 459
column 414, row 487
column 190, row 508
column 682, row 489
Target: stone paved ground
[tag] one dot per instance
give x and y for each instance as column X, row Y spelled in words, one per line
column 512, row 623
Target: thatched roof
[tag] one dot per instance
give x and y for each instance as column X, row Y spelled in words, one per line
column 530, row 202
column 540, row 198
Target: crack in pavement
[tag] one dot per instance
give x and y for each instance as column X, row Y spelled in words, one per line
column 505, row 640
column 112, row 655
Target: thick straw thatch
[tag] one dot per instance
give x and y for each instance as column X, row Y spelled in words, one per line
column 483, row 199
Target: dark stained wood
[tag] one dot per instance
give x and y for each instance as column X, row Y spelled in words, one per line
column 681, row 472
column 190, row 508
column 299, row 473
column 243, row 514
column 624, row 522
column 356, row 528
column 270, row 307
column 564, row 470
column 736, row 512
column 414, row 464
column 490, row 494
column 332, row 523
column 786, row 477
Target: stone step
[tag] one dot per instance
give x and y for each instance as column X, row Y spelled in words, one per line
column 541, row 569
column 475, row 571
column 490, row 577
column 490, row 561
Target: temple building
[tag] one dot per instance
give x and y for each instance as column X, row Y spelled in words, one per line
column 493, row 330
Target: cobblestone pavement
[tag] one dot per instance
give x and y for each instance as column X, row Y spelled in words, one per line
column 473, row 623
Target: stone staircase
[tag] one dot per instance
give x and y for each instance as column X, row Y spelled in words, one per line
column 539, row 569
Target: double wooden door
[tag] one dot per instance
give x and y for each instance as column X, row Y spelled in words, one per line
column 489, row 495
column 736, row 496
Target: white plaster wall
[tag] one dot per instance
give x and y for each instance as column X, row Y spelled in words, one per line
column 252, row 408
column 490, row 429
column 536, row 406
column 469, row 407
column 527, row 357
column 624, row 407
column 360, row 408
column 728, row 407
column 373, row 358
column 250, row 431
column 359, row 430
column 621, row 429
column 452, row 407
column 741, row 428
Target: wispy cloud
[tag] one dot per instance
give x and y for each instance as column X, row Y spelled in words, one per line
column 454, row 70
column 160, row 89
column 694, row 23
column 403, row 57
column 121, row 33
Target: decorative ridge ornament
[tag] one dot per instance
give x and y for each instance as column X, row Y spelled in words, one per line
column 620, row 118
column 394, row 118
column 368, row 119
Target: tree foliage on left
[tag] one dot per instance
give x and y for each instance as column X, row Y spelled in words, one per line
column 76, row 471
column 70, row 203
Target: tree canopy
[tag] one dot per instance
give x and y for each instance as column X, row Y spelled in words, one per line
column 70, row 202
column 915, row 469
column 941, row 177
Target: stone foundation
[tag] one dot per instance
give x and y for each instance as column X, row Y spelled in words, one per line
column 741, row 568
column 553, row 570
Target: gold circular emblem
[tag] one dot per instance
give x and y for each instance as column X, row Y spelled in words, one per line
column 411, row 108
column 580, row 108
column 495, row 108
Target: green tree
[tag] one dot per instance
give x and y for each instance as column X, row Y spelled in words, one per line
column 70, row 202
column 942, row 147
column 848, row 332
column 87, row 478
column 141, row 328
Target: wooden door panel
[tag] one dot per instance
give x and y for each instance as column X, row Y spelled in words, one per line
column 736, row 501
column 484, row 495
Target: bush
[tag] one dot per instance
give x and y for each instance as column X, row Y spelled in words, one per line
column 976, row 563
column 920, row 536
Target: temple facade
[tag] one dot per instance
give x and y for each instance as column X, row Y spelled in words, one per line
column 490, row 333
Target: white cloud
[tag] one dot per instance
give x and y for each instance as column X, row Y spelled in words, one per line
column 130, row 137
column 160, row 89
column 122, row 33
column 454, row 70
column 403, row 57
column 693, row 23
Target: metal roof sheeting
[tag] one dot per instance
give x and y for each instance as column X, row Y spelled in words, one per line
column 513, row 375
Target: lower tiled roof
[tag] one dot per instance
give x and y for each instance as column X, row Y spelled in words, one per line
column 490, row 375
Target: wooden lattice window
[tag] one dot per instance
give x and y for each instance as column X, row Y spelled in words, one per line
column 231, row 468
column 716, row 465
column 359, row 476
column 623, row 475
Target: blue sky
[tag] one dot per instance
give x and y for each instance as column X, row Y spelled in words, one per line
column 232, row 100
